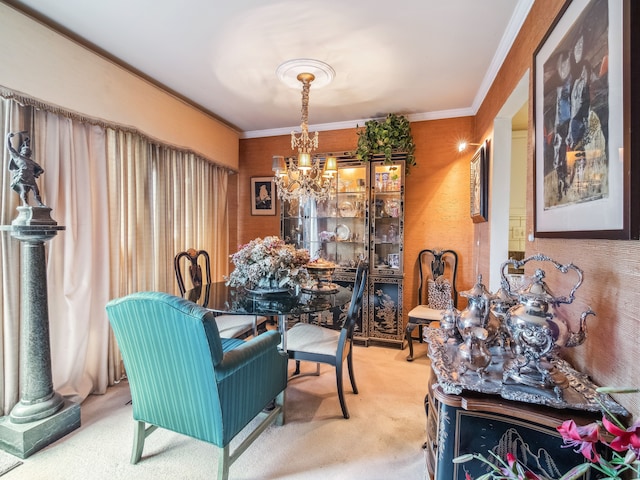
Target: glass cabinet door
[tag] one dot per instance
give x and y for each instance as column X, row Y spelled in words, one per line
column 334, row 229
column 387, row 214
column 349, row 245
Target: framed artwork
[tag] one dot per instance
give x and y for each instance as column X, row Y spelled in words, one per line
column 479, row 185
column 586, row 179
column 263, row 196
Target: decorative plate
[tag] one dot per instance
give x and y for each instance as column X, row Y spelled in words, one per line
column 392, row 208
column 343, row 232
column 347, row 210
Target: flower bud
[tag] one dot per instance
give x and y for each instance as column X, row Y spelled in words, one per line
column 630, row 457
column 463, row 458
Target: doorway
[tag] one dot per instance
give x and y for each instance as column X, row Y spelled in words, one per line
column 507, row 176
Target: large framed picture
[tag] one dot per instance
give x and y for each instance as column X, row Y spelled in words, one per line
column 585, row 163
column 479, row 185
column 263, row 196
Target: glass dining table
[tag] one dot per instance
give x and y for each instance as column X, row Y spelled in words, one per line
column 221, row 298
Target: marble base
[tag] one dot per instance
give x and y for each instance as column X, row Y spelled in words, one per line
column 23, row 440
column 28, row 215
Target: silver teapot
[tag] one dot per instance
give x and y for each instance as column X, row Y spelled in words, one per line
column 478, row 311
column 537, row 329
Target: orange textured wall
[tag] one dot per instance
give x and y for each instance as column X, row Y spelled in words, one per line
column 437, row 199
column 610, row 354
column 437, row 192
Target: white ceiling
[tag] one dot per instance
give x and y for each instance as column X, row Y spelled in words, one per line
column 422, row 58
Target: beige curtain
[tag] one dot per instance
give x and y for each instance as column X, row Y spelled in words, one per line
column 74, row 159
column 13, row 119
column 164, row 201
column 195, row 196
column 128, row 205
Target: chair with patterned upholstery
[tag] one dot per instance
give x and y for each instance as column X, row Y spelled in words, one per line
column 315, row 343
column 229, row 326
column 437, row 273
column 185, row 378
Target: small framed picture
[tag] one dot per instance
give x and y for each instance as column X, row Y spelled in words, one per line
column 479, row 185
column 263, row 196
column 393, row 259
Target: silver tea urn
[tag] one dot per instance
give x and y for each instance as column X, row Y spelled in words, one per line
column 537, row 330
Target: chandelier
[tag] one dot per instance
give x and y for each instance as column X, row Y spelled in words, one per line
column 307, row 178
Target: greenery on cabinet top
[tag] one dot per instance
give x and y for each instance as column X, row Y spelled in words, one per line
column 386, row 137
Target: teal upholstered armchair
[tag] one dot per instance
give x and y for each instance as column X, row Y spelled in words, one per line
column 185, row 378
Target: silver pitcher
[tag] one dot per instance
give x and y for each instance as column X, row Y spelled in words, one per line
column 473, row 353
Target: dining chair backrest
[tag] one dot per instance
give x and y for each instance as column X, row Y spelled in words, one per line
column 195, row 269
column 434, row 263
column 355, row 308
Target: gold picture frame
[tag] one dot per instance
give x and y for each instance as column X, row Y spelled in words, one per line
column 263, row 196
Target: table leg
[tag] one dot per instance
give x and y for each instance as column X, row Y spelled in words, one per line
column 282, row 327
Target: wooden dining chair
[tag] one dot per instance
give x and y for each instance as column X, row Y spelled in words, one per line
column 437, row 274
column 318, row 344
column 229, row 326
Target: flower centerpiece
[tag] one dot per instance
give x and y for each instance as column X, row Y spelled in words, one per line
column 268, row 263
column 621, row 461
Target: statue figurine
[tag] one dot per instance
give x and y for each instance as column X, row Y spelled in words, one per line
column 25, row 170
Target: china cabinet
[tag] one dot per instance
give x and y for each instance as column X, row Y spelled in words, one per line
column 362, row 220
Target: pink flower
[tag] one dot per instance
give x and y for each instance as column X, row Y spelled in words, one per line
column 582, row 438
column 628, row 439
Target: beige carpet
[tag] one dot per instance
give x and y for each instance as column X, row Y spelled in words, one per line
column 8, row 462
column 382, row 439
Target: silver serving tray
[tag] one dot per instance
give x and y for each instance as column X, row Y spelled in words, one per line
column 579, row 394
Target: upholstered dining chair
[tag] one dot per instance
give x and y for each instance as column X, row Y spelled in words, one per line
column 229, row 326
column 185, row 378
column 315, row 343
column 437, row 274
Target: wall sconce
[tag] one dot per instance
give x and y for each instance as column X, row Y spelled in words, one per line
column 462, row 146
